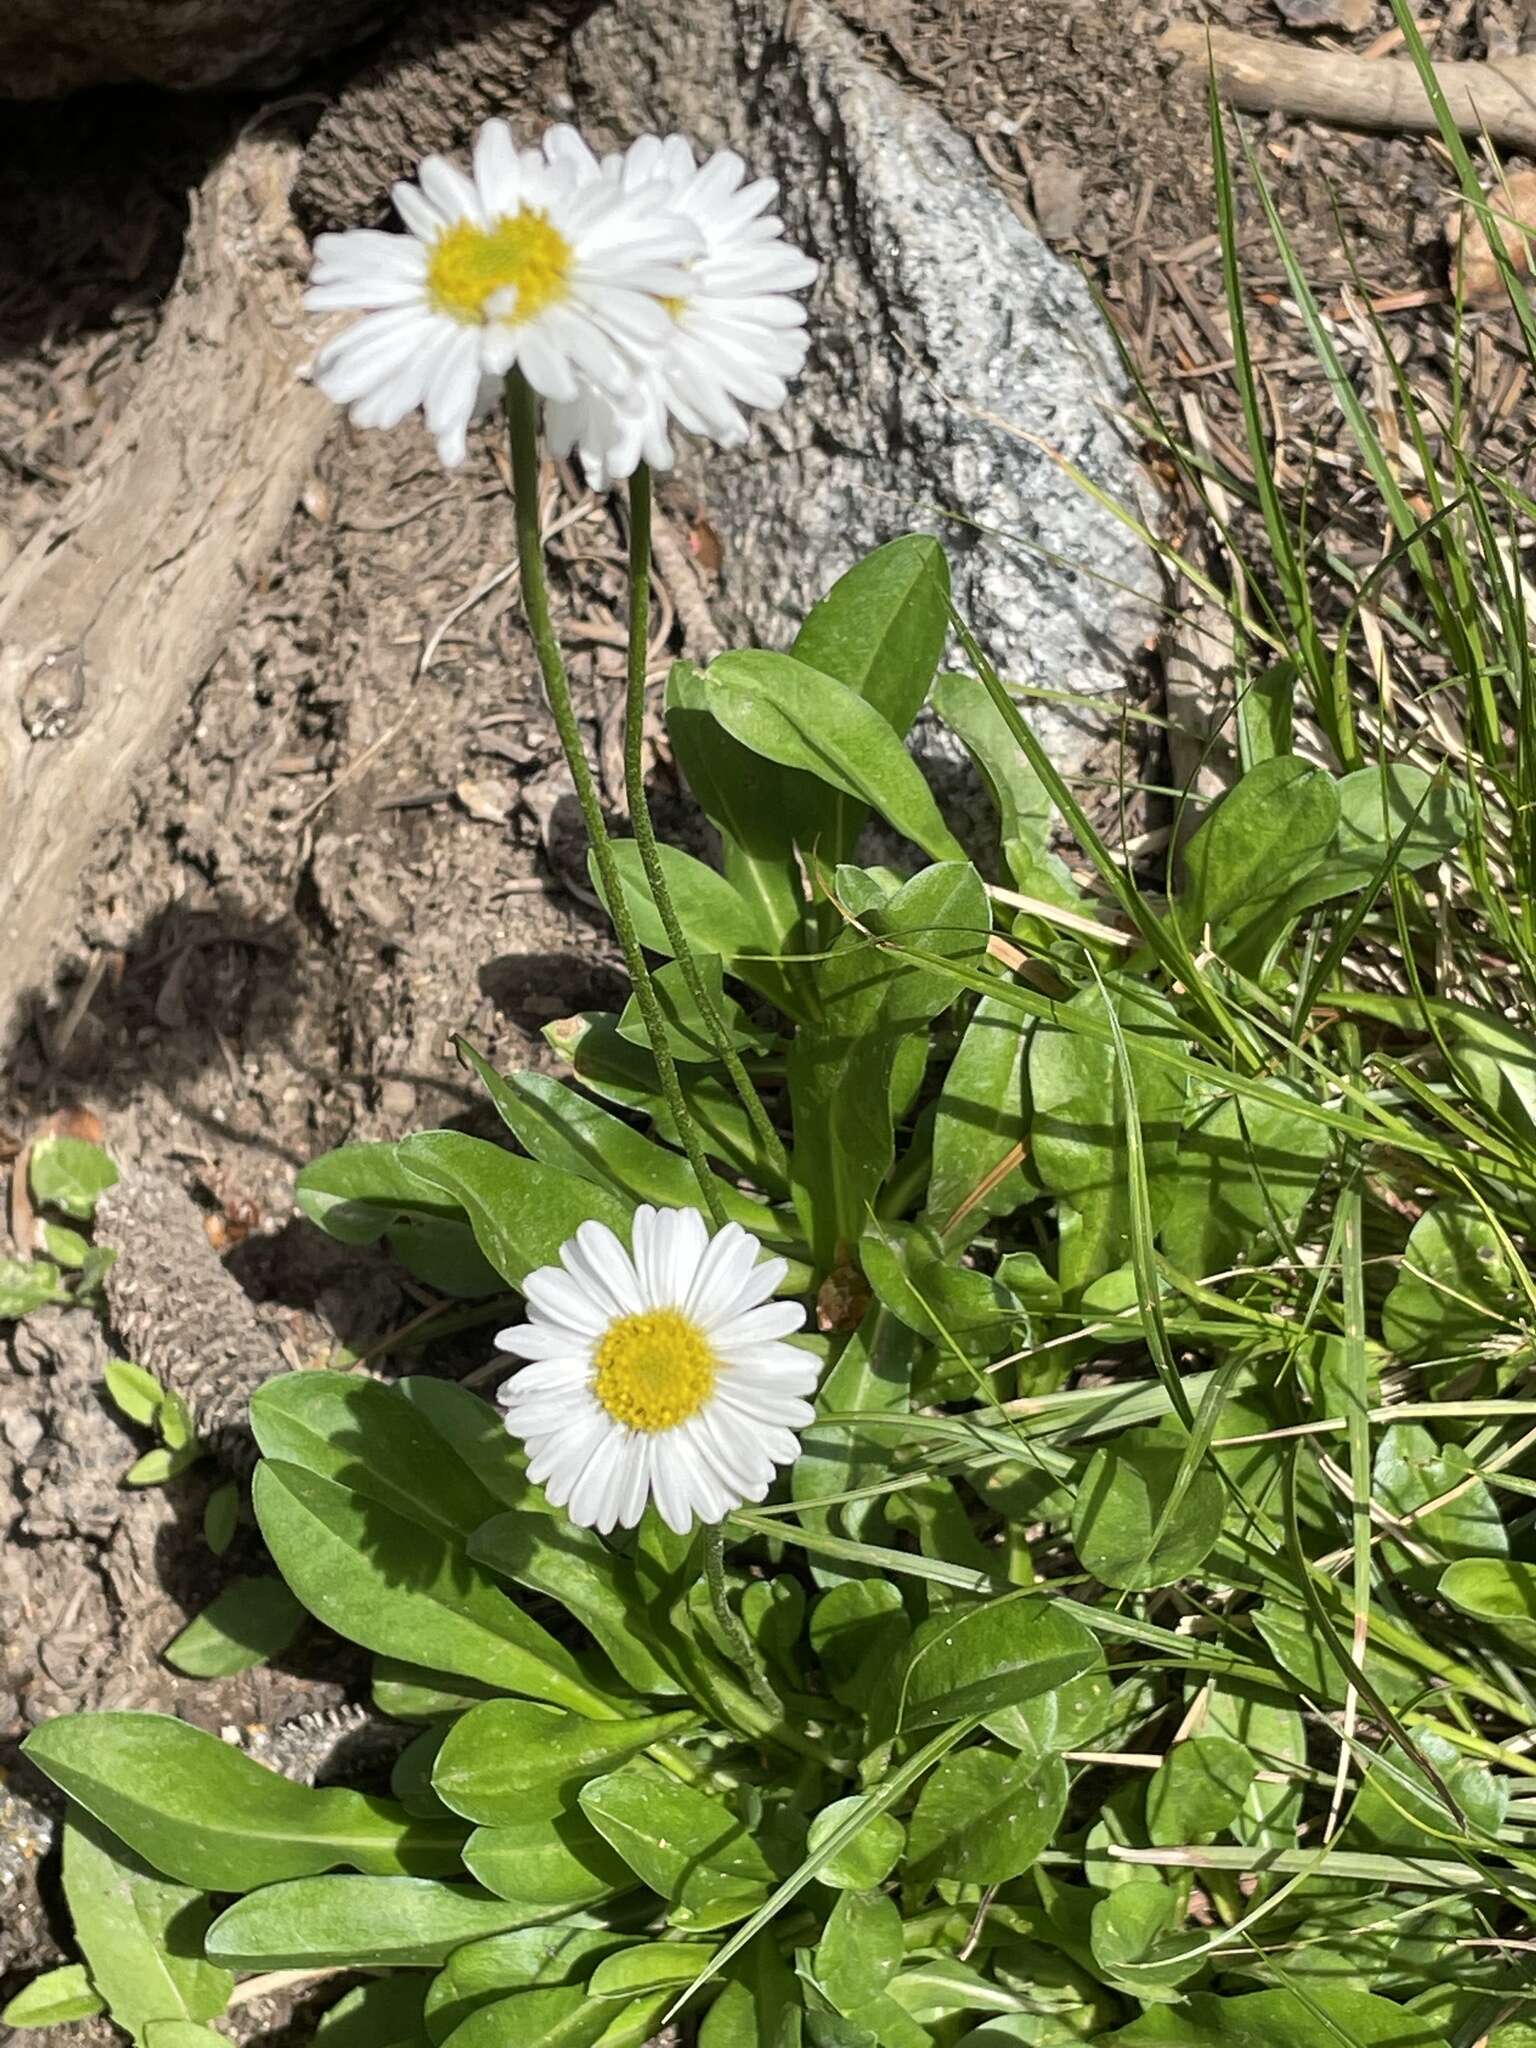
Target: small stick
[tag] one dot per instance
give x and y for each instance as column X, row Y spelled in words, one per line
column 1265, row 76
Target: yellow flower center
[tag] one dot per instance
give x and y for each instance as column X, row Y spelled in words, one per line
column 522, row 255
column 676, row 307
column 654, row 1370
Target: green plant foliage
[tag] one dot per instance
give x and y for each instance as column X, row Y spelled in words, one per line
column 71, row 1175
column 1142, row 1649
column 248, row 1623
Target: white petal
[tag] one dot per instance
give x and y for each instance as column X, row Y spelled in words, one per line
column 558, row 1299
column 773, row 1412
column 634, row 1480
column 670, row 1489
column 592, row 1501
column 542, row 1340
column 756, row 1325
column 498, row 176
column 720, row 1273
column 765, row 1278
column 563, row 1376
column 682, row 1237
column 596, row 1260
column 449, row 190
column 417, row 211
column 543, row 365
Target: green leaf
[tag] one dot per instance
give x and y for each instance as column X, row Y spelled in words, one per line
column 1068, row 1717
column 1501, row 1595
column 1024, row 808
column 880, row 631
column 26, row 1284
column 1496, row 1060
column 983, row 1817
column 70, row 1174
column 857, row 1630
column 649, row 1966
column 408, row 1692
column 760, row 810
column 860, row 1951
column 556, row 1557
column 556, row 2018
column 692, row 1040
column 1246, row 1170
column 134, row 1390
column 521, row 1212
column 207, row 1815
column 173, row 1419
column 375, row 1442
column 354, row 1193
column 249, row 1622
column 1135, row 1942
column 684, row 1844
column 139, row 1933
column 1078, row 1126
column 620, row 1072
column 869, row 1857
column 1322, row 2018
column 1198, row 1789
column 393, row 1586
column 182, row 2034
column 1411, row 1469
column 363, row 1192
column 1261, row 839
column 386, row 2013
column 565, row 1130
column 975, row 1660
column 1400, row 818
column 840, row 1069
column 54, row 1998
column 474, row 1433
column 503, row 1754
column 1453, row 1289
column 759, row 2006
column 159, row 1466
column 558, row 1860
column 64, row 1246
column 359, row 1923
column 794, row 715
column 1276, row 1738
column 481, row 1971
column 221, row 1516
column 930, row 1991
column 1399, row 1807
column 716, row 917
column 1120, row 1507
column 981, row 1122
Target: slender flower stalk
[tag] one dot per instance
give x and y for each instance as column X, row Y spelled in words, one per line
column 523, row 429
column 644, row 827
column 731, row 1625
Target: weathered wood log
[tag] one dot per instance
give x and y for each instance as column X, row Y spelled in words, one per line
column 1264, row 76
column 123, row 600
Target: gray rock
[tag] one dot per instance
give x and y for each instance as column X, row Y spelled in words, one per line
column 952, row 350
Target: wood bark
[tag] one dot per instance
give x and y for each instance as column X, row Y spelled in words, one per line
column 122, row 602
column 1264, row 76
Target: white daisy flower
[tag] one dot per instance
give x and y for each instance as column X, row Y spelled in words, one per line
column 659, row 1376
column 736, row 336
column 536, row 260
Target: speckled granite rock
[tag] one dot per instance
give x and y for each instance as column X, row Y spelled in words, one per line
column 946, row 335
